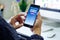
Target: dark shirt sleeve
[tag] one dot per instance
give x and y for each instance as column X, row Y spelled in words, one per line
column 36, row 37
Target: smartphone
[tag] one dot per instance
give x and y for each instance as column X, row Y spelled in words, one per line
column 31, row 15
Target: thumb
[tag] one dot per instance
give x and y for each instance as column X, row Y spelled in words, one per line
column 18, row 26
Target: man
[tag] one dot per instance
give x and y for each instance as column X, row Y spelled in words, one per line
column 7, row 32
column 37, row 26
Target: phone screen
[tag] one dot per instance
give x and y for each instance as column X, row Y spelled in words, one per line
column 31, row 16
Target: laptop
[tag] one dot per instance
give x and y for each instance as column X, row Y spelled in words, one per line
column 25, row 31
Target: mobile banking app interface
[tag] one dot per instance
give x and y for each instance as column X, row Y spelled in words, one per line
column 31, row 16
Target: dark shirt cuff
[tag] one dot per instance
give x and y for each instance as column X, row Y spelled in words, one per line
column 36, row 37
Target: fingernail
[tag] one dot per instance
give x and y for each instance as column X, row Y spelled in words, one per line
column 22, row 24
column 22, row 17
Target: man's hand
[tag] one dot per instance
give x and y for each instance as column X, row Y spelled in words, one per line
column 16, row 19
column 37, row 26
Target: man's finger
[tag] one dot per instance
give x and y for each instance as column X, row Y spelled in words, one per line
column 21, row 15
column 18, row 26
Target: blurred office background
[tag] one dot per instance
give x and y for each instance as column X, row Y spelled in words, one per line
column 7, row 7
column 50, row 12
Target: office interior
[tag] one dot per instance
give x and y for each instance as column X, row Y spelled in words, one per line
column 49, row 11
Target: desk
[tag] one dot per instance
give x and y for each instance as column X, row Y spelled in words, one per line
column 53, row 25
column 56, row 30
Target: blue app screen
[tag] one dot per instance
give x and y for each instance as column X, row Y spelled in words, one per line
column 31, row 15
